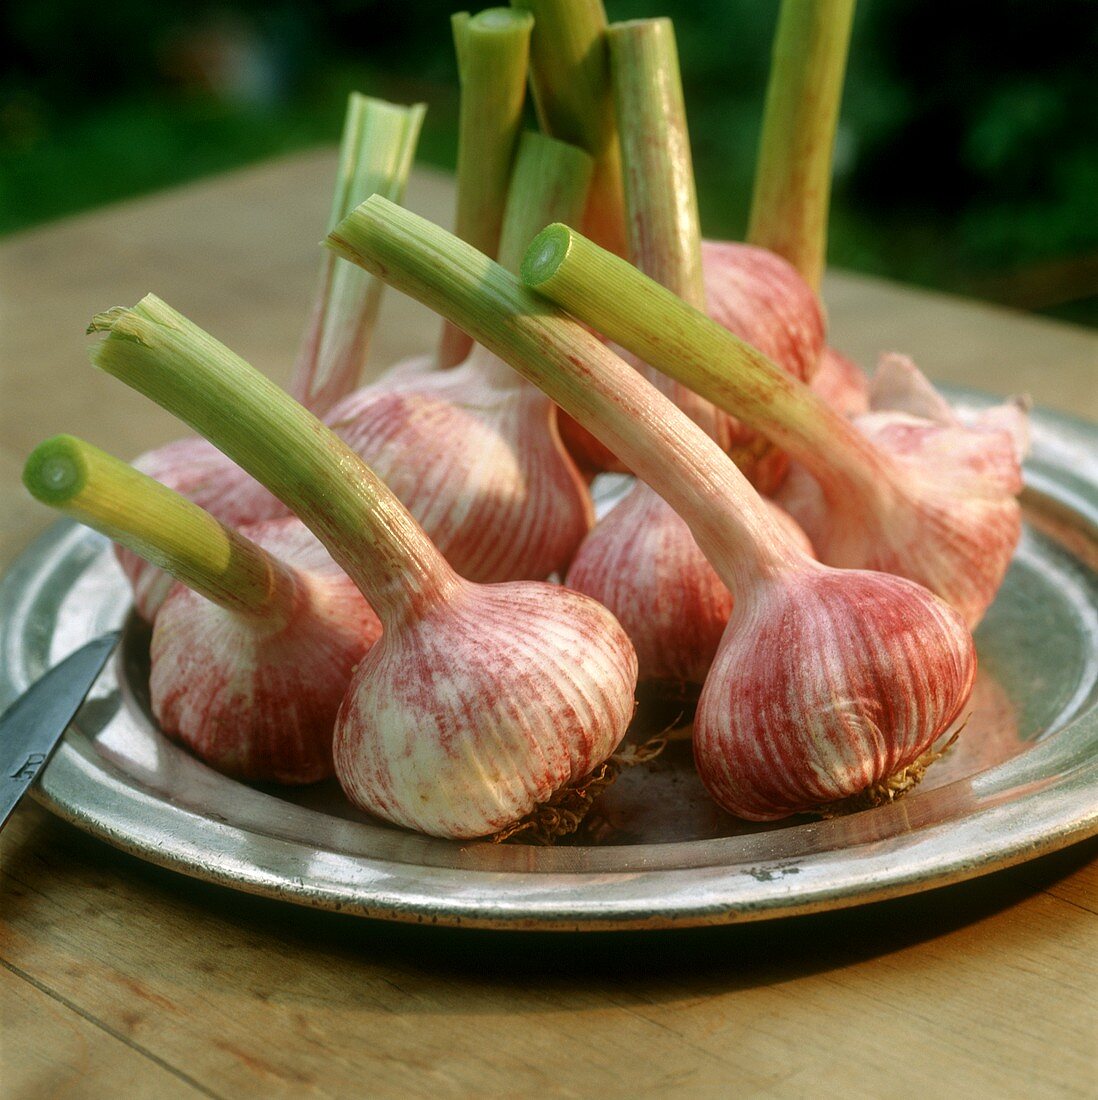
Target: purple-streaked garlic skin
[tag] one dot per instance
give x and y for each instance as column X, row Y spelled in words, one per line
column 642, row 562
column 479, row 462
column 944, row 514
column 538, row 691
column 258, row 700
column 796, row 714
column 197, row 470
column 762, row 299
column 841, row 383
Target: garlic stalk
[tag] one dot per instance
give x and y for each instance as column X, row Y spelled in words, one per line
column 478, row 702
column 827, row 682
column 570, row 81
column 375, row 156
column 493, row 52
column 251, row 659
column 473, row 452
column 790, row 199
column 933, row 503
column 765, row 291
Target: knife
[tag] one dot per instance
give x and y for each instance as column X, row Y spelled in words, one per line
column 33, row 725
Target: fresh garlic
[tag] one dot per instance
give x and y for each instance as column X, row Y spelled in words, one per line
column 641, row 561
column 473, row 452
column 898, row 664
column 478, row 702
column 252, row 652
column 376, row 152
column 929, row 501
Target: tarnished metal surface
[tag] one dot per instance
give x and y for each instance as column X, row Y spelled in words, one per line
column 1022, row 780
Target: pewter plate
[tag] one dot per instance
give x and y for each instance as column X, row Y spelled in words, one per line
column 1022, row 780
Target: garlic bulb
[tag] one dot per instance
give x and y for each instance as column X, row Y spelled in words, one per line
column 854, row 729
column 900, row 662
column 931, row 501
column 473, row 452
column 259, row 700
column 252, row 652
column 483, row 706
column 642, row 562
column 476, row 458
column 942, row 493
column 478, row 701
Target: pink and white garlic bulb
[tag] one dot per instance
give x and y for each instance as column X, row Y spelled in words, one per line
column 898, row 663
column 476, row 458
column 478, row 702
column 473, row 452
column 933, row 502
column 934, row 497
column 252, row 652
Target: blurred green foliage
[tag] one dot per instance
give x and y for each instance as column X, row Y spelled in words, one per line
column 967, row 156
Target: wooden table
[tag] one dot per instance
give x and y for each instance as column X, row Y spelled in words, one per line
column 123, row 979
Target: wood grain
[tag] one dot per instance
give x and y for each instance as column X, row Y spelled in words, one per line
column 119, row 978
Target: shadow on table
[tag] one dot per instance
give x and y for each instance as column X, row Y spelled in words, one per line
column 657, row 963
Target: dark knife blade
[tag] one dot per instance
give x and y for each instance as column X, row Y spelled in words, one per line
column 32, row 726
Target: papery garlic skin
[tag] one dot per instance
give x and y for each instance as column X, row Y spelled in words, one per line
column 946, row 514
column 642, row 562
column 258, row 700
column 480, row 465
column 762, row 299
column 796, row 715
column 841, row 383
column 468, row 718
column 197, row 470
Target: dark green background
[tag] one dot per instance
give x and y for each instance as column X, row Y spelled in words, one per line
column 967, row 156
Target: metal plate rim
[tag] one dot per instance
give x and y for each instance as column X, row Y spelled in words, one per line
column 1054, row 814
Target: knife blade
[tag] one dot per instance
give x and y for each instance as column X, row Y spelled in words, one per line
column 33, row 725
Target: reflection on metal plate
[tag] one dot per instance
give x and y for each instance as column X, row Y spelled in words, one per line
column 1022, row 780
